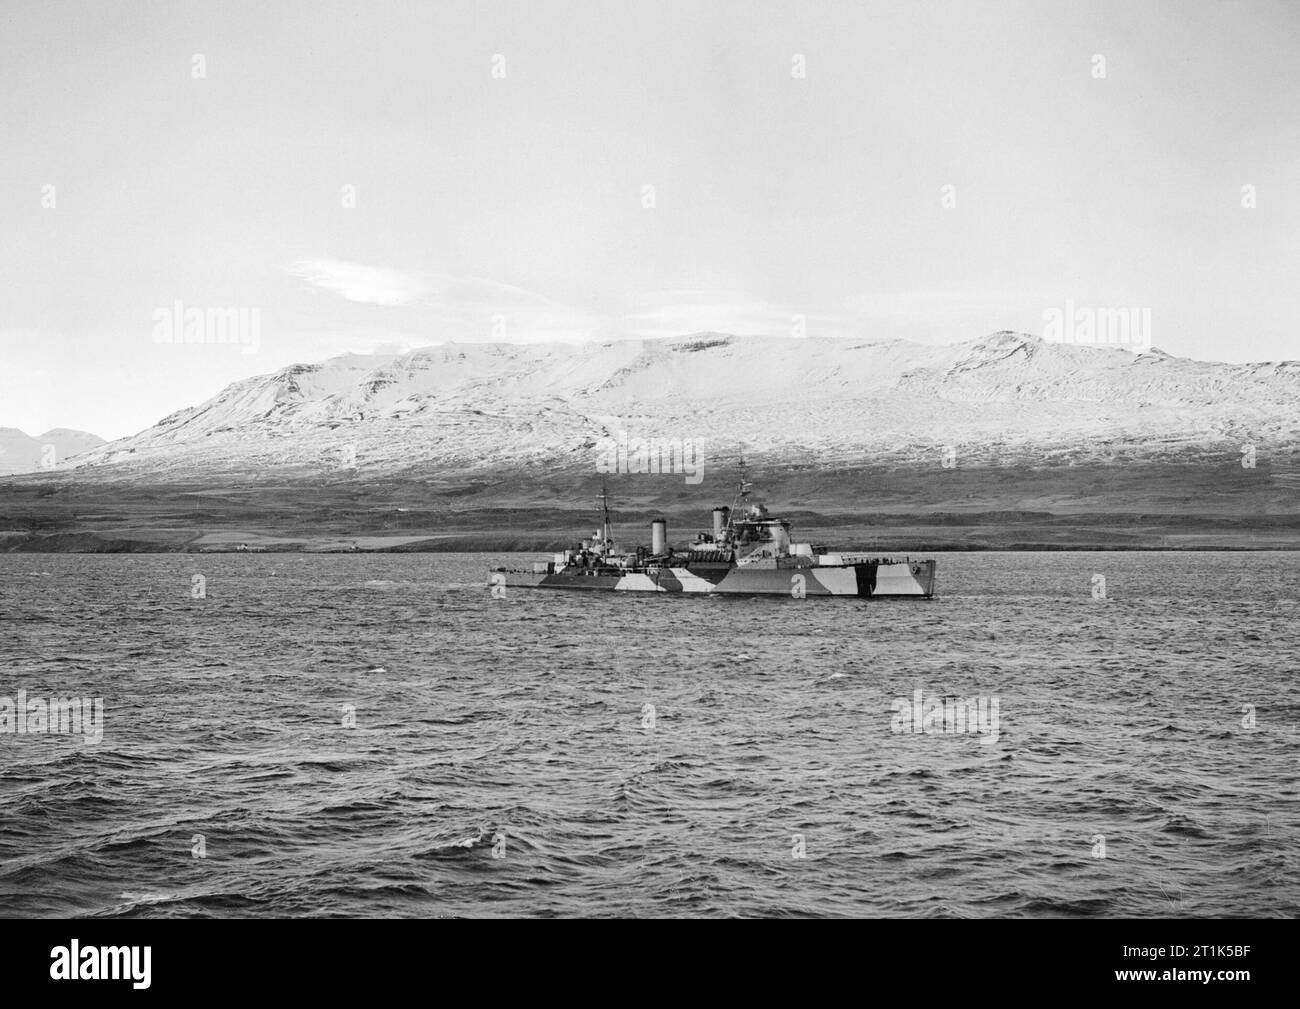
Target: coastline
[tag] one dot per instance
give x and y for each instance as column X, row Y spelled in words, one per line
column 873, row 509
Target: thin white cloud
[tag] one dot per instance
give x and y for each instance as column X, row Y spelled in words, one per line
column 379, row 285
column 449, row 307
column 441, row 307
column 369, row 285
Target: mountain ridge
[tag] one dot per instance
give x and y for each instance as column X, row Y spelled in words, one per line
column 1007, row 397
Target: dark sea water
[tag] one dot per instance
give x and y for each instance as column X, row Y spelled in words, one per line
column 504, row 760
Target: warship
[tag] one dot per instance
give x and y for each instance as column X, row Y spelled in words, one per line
column 748, row 552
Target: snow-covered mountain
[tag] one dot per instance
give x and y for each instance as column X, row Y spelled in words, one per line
column 1005, row 398
column 21, row 453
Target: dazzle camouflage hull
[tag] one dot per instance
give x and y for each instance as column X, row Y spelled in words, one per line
column 868, row 579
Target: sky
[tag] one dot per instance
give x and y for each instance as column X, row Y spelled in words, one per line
column 373, row 177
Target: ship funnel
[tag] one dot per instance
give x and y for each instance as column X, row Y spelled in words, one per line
column 658, row 537
column 720, row 516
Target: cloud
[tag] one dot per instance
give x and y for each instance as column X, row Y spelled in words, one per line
column 428, row 307
column 378, row 285
column 369, row 285
column 448, row 307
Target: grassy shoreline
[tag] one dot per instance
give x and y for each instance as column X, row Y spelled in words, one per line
column 871, row 509
column 91, row 543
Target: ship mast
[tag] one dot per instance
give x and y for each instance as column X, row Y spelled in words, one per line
column 742, row 496
column 603, row 498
